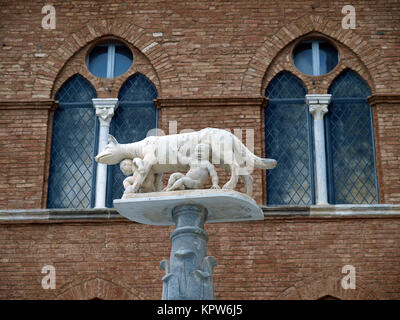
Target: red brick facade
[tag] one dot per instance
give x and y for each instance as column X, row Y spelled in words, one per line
column 210, row 62
column 280, row 258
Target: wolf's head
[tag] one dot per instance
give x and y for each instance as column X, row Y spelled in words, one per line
column 112, row 153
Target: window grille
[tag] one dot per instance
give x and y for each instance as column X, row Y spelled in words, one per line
column 288, row 139
column 72, row 165
column 135, row 116
column 350, row 142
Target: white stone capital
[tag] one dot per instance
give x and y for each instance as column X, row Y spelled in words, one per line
column 318, row 104
column 105, row 108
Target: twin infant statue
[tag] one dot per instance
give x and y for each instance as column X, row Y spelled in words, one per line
column 197, row 176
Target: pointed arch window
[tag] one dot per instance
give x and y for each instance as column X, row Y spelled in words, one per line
column 288, row 139
column 71, row 178
column 350, row 142
column 135, row 116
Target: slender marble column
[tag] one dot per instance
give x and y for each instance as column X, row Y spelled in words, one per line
column 104, row 111
column 318, row 106
column 189, row 271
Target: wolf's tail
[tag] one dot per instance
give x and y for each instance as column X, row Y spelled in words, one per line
column 250, row 158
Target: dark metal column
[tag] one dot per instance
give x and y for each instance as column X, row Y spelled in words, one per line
column 189, row 270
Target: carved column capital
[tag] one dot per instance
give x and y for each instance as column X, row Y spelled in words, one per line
column 318, row 104
column 105, row 108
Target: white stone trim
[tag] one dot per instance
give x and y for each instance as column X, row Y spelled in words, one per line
column 318, row 106
column 105, row 108
column 342, row 211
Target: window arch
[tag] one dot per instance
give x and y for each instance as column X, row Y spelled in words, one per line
column 135, row 116
column 350, row 142
column 288, row 139
column 73, row 146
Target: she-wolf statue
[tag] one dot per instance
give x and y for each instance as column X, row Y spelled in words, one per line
column 160, row 155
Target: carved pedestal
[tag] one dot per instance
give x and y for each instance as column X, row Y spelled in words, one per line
column 189, row 271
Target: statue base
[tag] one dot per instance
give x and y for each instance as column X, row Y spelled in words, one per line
column 189, row 271
column 155, row 208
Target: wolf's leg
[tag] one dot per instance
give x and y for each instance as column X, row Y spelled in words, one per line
column 158, row 182
column 231, row 184
column 248, row 184
column 148, row 161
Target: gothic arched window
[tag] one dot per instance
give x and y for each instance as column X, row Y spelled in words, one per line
column 72, row 165
column 350, row 142
column 288, row 139
column 134, row 117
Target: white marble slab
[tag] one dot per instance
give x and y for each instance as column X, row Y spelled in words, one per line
column 155, row 208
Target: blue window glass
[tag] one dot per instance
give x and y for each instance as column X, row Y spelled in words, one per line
column 71, row 178
column 98, row 61
column 135, row 116
column 109, row 60
column 315, row 57
column 288, row 139
column 328, row 57
column 123, row 60
column 302, row 57
column 350, row 142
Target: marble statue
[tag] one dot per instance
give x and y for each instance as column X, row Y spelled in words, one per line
column 163, row 154
column 200, row 170
column 191, row 158
column 152, row 183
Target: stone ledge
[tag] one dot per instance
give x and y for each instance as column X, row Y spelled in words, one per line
column 216, row 102
column 60, row 215
column 381, row 211
column 44, row 104
column 388, row 98
column 334, row 211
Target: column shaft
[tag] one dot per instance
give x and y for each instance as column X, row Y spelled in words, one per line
column 104, row 111
column 318, row 106
column 189, row 270
column 320, row 162
column 101, row 172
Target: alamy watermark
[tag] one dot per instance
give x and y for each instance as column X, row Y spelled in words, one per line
column 349, row 281
column 349, row 20
column 49, row 20
column 226, row 149
column 49, row 280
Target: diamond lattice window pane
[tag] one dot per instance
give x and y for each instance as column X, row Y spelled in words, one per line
column 287, row 138
column 71, row 162
column 135, row 116
column 352, row 172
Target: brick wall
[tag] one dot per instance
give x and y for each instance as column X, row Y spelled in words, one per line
column 285, row 258
column 193, row 49
column 196, row 49
column 387, row 136
column 226, row 44
column 23, row 149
